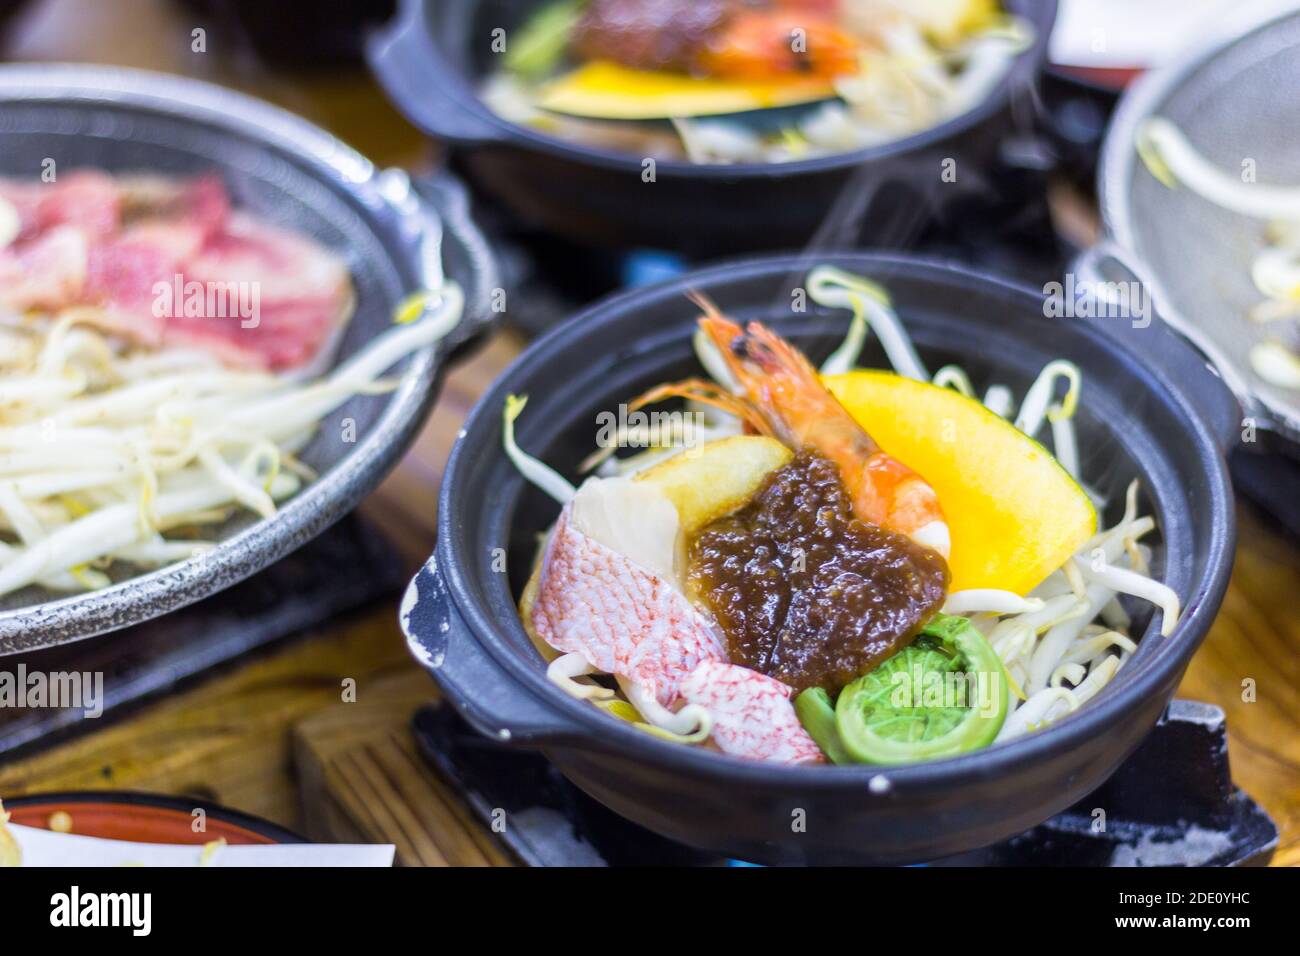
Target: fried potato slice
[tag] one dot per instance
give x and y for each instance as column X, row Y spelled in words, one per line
column 717, row 478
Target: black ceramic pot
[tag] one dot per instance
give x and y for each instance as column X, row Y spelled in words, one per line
column 434, row 55
column 1151, row 409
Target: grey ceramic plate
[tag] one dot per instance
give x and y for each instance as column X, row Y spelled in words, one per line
column 1234, row 100
column 396, row 239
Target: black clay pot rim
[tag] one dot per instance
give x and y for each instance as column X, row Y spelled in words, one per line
column 1024, row 67
column 602, row 733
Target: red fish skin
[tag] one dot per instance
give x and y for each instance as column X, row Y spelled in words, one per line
column 752, row 713
column 621, row 618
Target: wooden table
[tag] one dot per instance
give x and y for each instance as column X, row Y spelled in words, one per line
column 261, row 736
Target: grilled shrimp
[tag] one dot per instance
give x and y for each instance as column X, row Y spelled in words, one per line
column 757, row 44
column 731, row 39
column 786, row 390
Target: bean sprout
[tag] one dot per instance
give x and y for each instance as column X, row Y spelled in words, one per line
column 836, row 288
column 954, row 376
column 1037, row 712
column 691, row 724
column 989, row 600
column 1033, row 410
column 1171, row 158
column 999, row 400
column 565, row 668
column 105, row 447
column 538, row 472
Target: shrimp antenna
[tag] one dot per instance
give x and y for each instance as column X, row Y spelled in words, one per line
column 707, row 305
column 706, row 393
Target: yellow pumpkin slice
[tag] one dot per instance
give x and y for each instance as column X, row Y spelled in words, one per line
column 1014, row 513
column 604, row 90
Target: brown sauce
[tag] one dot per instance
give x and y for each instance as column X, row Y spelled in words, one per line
column 804, row 591
column 649, row 34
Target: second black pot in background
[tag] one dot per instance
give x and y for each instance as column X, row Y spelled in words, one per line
column 431, row 59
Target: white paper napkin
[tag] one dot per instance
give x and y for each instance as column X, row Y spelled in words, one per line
column 1146, row 33
column 47, row 848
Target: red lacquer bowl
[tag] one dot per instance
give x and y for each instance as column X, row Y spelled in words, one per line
column 146, row 818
